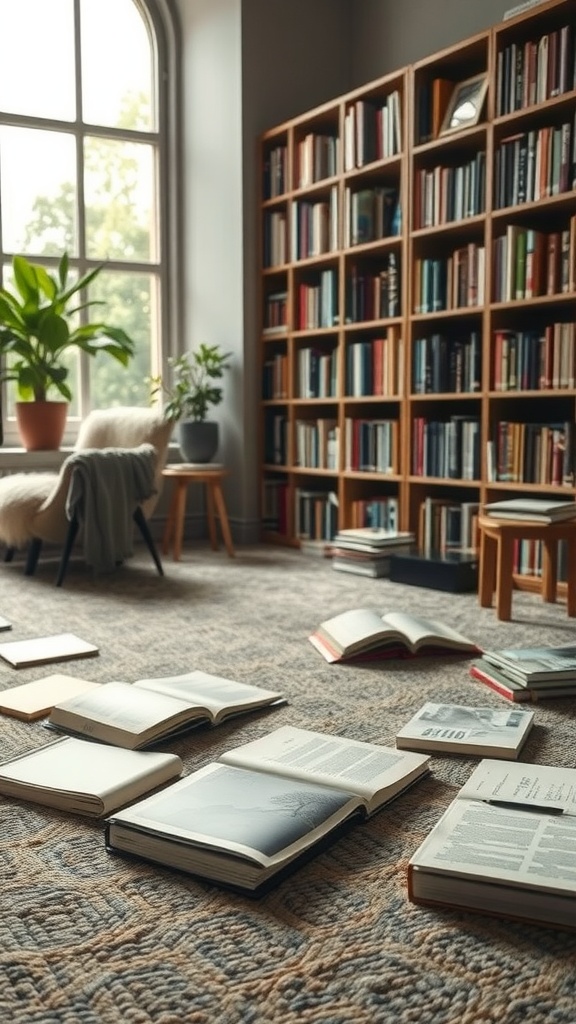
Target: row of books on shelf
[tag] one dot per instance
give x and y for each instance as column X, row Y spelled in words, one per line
column 370, row 214
column 314, row 227
column 275, row 172
column 537, row 359
column 374, row 366
column 318, row 302
column 443, row 364
column 316, row 513
column 533, row 165
column 372, row 130
column 529, row 263
column 450, row 282
column 317, row 443
column 317, row 157
column 532, row 71
column 446, row 448
column 373, row 294
column 446, row 194
column 534, row 453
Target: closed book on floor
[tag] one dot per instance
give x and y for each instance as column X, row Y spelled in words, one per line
column 85, row 778
column 42, row 650
column 36, row 699
column 264, row 807
column 461, row 729
column 504, row 846
column 136, row 715
column 536, row 666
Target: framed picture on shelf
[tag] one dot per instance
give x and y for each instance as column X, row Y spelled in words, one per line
column 465, row 105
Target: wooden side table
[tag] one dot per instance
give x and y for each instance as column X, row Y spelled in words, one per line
column 497, row 541
column 182, row 476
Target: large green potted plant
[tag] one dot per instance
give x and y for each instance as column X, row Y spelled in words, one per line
column 192, row 392
column 39, row 323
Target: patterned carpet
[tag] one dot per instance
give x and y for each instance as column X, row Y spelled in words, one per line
column 89, row 938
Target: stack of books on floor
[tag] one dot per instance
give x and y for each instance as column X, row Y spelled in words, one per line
column 528, row 673
column 366, row 550
column 532, row 509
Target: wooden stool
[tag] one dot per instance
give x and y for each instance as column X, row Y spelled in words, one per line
column 182, row 476
column 497, row 537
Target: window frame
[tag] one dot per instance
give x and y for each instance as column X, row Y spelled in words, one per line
column 161, row 20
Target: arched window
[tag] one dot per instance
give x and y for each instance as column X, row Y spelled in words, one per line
column 88, row 114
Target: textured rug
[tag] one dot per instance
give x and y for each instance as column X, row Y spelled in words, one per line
column 89, row 938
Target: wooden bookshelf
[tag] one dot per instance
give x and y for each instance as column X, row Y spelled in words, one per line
column 418, row 292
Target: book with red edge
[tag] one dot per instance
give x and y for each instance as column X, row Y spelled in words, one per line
column 364, row 632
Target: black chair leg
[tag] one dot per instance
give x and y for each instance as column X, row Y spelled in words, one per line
column 9, row 553
column 142, row 525
column 34, row 549
column 68, row 545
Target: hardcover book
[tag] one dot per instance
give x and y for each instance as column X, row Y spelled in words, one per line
column 501, row 683
column 35, row 700
column 254, row 815
column 136, row 715
column 85, row 778
column 502, row 846
column 459, row 729
column 536, row 666
column 535, row 509
column 365, row 632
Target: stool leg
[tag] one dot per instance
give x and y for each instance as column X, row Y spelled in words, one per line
column 180, row 509
column 210, row 493
column 487, row 569
column 571, row 584
column 549, row 570
column 223, row 516
column 170, row 521
column 504, row 566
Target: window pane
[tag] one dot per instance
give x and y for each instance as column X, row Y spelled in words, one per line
column 39, row 208
column 119, row 197
column 130, row 302
column 115, row 91
column 37, row 66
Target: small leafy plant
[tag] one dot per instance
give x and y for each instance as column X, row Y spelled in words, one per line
column 37, row 327
column 193, row 390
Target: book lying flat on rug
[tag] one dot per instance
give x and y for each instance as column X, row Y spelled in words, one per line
column 535, row 509
column 44, row 649
column 459, row 729
column 502, row 846
column 35, row 700
column 370, row 538
column 264, row 807
column 536, row 666
column 86, row 778
column 4, row 624
column 497, row 680
column 363, row 631
column 135, row 715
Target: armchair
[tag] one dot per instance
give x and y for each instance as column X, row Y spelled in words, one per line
column 38, row 507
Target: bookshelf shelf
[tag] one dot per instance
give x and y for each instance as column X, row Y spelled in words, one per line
column 444, row 307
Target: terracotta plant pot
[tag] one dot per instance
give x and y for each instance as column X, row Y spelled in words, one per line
column 41, row 424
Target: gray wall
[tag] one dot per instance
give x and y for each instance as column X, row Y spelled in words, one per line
column 388, row 34
column 248, row 65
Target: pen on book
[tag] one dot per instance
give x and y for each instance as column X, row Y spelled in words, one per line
column 519, row 806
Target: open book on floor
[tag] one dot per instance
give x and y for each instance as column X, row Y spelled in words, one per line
column 504, row 846
column 139, row 714
column 459, row 729
column 264, row 807
column 364, row 632
column 86, row 778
